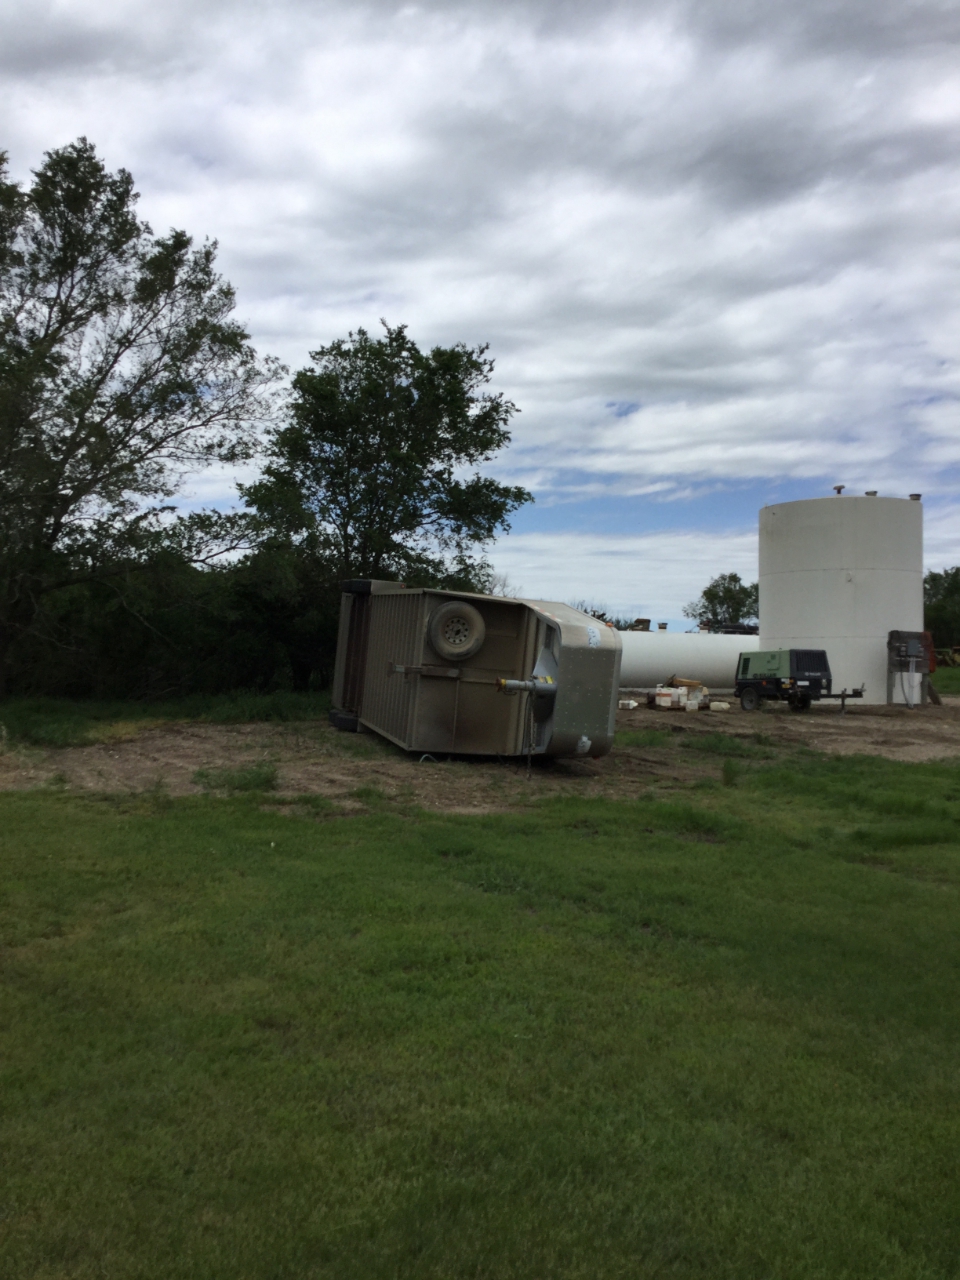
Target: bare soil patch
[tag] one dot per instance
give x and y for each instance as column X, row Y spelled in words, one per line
column 897, row 733
column 355, row 771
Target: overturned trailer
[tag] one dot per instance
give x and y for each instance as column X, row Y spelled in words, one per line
column 452, row 672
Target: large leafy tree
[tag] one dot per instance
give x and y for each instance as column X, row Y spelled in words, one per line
column 120, row 370
column 941, row 600
column 374, row 473
column 726, row 601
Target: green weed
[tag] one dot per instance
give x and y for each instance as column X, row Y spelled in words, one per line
column 55, row 722
column 723, row 744
column 731, row 772
column 643, row 738
column 363, row 746
column 368, row 795
column 946, row 680
column 902, row 835
column 253, row 777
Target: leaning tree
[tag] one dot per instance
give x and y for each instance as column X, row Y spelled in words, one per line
column 120, row 370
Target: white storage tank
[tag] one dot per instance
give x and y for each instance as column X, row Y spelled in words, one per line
column 839, row 574
column 652, row 657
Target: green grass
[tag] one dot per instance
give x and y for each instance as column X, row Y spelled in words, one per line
column 947, row 680
column 643, row 737
column 731, row 772
column 706, row 1034
column 723, row 744
column 60, row 722
column 371, row 796
column 252, row 777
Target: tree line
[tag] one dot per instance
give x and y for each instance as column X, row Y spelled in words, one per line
column 122, row 373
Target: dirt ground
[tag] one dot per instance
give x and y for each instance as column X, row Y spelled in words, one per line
column 353, row 770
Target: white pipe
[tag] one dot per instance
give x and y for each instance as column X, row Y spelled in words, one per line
column 652, row 657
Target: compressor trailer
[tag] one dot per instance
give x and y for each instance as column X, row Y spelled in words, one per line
column 795, row 676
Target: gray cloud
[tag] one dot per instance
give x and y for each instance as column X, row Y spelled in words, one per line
column 741, row 218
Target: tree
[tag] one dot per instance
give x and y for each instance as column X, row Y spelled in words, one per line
column 120, row 370
column 367, row 475
column 601, row 613
column 726, row 602
column 941, row 601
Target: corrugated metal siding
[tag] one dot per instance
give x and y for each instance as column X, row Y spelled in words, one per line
column 395, row 636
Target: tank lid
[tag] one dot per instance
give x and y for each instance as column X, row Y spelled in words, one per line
column 915, row 497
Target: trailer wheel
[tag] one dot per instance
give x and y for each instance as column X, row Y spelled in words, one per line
column 456, row 630
column 750, row 699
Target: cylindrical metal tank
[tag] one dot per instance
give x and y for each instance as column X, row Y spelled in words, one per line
column 839, row 574
column 652, row 657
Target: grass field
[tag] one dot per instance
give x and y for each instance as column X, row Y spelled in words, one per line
column 61, row 722
column 710, row 1033
column 947, row 680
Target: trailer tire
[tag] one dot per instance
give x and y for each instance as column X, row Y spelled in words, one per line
column 750, row 699
column 456, row 630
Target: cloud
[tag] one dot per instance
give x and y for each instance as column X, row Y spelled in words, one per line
column 652, row 576
column 655, row 575
column 708, row 244
column 940, row 538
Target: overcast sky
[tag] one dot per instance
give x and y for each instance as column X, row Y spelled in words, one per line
column 714, row 247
